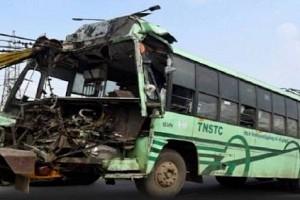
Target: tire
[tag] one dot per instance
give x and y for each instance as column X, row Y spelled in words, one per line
column 232, row 182
column 167, row 177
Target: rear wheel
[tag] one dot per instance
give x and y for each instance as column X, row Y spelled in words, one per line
column 167, row 177
column 231, row 181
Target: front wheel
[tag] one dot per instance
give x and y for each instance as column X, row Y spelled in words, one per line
column 167, row 177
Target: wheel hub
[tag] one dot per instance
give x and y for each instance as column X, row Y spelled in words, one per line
column 166, row 174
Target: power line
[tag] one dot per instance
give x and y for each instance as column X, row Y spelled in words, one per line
column 16, row 37
column 11, row 73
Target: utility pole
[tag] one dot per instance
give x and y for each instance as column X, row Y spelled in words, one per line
column 10, row 73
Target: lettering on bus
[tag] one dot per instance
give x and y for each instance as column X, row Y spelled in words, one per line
column 210, row 128
column 167, row 124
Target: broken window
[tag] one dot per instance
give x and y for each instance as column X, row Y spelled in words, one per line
column 247, row 116
column 55, row 86
column 81, row 88
column 110, row 86
column 182, row 99
column 29, row 86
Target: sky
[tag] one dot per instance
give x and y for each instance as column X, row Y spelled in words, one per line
column 259, row 38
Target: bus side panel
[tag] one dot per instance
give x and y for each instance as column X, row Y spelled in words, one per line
column 171, row 127
column 227, row 150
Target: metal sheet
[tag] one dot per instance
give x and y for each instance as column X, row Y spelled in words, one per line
column 21, row 162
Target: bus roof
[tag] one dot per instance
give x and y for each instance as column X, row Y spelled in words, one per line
column 234, row 73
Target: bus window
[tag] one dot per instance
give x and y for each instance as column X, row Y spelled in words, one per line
column 292, row 127
column 278, row 124
column 207, row 80
column 185, row 72
column 29, row 86
column 264, row 99
column 229, row 112
column 247, row 116
column 247, row 94
column 278, row 104
column 207, row 106
column 182, row 99
column 291, row 108
column 264, row 120
column 228, row 87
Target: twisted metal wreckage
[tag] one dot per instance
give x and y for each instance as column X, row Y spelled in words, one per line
column 77, row 136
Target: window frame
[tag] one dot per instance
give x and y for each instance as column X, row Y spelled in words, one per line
column 215, row 91
column 278, row 104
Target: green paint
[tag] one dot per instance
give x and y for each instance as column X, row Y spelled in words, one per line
column 118, row 164
column 6, row 121
column 195, row 139
column 236, row 151
column 210, row 149
column 160, row 143
column 140, row 152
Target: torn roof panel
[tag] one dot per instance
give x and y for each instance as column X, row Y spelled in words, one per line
column 117, row 29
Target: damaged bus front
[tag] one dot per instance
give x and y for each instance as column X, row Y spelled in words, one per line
column 82, row 108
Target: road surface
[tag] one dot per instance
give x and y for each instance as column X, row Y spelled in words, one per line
column 125, row 190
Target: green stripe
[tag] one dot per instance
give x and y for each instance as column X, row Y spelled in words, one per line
column 155, row 150
column 210, row 149
column 152, row 158
column 204, row 162
column 260, row 157
column 169, row 135
column 209, row 155
column 160, row 143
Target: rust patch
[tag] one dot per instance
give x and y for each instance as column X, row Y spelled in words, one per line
column 20, row 162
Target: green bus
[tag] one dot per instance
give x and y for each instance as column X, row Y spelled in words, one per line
column 116, row 100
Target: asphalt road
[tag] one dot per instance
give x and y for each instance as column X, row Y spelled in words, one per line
column 126, row 190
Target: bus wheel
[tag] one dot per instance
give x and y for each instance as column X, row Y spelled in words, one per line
column 167, row 177
column 231, row 181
